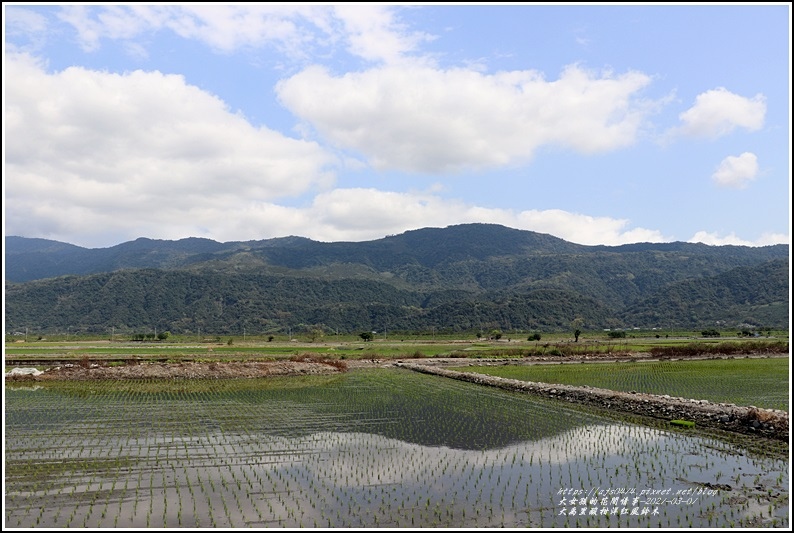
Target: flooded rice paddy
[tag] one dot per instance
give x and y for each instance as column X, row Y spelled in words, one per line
column 370, row 448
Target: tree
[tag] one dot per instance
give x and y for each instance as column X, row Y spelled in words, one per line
column 534, row 337
column 576, row 324
column 163, row 335
column 316, row 334
column 495, row 334
column 366, row 336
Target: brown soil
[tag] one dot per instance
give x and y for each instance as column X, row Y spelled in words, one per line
column 191, row 370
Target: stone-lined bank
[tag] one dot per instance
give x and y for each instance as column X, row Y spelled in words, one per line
column 770, row 423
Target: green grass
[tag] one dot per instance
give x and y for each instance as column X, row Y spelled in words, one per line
column 633, row 338
column 759, row 382
column 394, row 346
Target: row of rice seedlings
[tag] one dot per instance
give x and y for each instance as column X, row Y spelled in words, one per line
column 760, row 382
column 361, row 479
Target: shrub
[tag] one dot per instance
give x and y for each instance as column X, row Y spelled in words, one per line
column 339, row 365
column 316, row 358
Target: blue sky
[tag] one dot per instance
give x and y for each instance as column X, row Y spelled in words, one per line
column 598, row 124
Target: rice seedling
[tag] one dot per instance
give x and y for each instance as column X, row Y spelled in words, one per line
column 376, row 449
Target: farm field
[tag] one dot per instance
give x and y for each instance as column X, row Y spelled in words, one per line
column 368, row 448
column 762, row 382
column 45, row 353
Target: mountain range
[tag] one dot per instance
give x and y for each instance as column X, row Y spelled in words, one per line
column 459, row 278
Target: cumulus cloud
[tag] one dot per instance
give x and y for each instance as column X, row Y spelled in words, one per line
column 108, row 196
column 421, row 119
column 94, row 151
column 358, row 214
column 715, row 239
column 113, row 157
column 736, row 171
column 718, row 112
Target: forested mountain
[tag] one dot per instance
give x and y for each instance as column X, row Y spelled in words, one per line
column 466, row 277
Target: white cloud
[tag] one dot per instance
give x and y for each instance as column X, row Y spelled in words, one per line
column 368, row 31
column 230, row 27
column 359, row 214
column 714, row 239
column 98, row 152
column 735, row 171
column 21, row 21
column 718, row 112
column 23, row 25
column 373, row 33
column 109, row 191
column 113, row 157
column 111, row 22
column 419, row 119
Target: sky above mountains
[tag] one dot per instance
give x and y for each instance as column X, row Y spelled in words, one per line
column 598, row 124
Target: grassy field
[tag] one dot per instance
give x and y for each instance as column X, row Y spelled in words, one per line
column 632, row 338
column 750, row 381
column 178, row 348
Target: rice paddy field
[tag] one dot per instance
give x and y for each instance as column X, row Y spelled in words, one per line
column 368, row 448
column 762, row 382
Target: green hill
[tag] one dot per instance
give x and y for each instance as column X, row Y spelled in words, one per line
column 466, row 277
